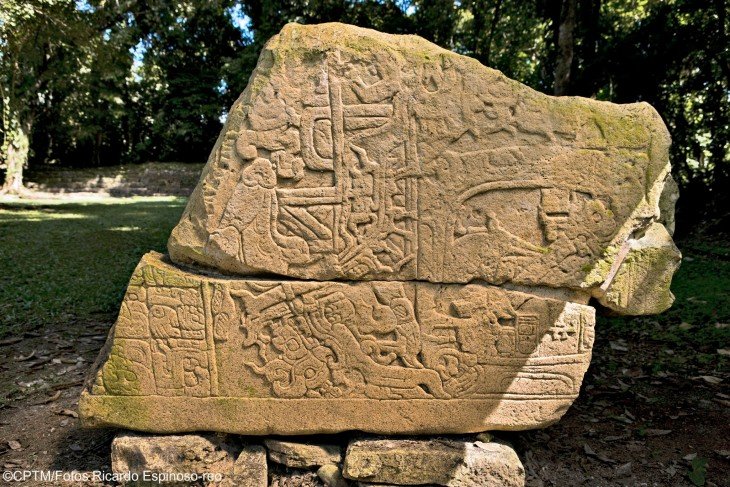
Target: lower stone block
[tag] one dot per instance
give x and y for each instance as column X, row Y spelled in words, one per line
column 197, row 352
column 175, row 459
column 331, row 475
column 433, row 461
column 302, row 455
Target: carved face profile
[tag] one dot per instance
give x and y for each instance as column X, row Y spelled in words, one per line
column 259, row 173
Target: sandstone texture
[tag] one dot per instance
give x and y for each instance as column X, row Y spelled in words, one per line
column 358, row 155
column 190, row 454
column 331, row 475
column 434, row 461
column 250, row 469
column 191, row 352
column 392, row 238
column 302, row 455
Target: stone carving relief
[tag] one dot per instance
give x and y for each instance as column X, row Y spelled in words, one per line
column 376, row 340
column 389, row 237
column 364, row 164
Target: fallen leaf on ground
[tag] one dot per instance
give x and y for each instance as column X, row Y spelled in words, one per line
column 618, row 347
column 710, row 379
column 623, row 470
column 14, row 445
column 68, row 412
column 591, row 453
column 615, row 438
column 40, row 362
column 27, row 357
column 67, row 385
column 725, row 352
column 622, row 419
column 49, row 399
column 76, row 447
column 678, row 415
column 10, row 341
column 689, row 457
column 656, row 432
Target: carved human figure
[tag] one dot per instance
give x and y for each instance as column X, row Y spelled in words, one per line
column 248, row 233
column 362, row 194
column 485, row 247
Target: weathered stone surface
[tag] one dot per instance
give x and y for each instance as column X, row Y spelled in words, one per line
column 191, row 352
column 639, row 281
column 250, row 469
column 434, row 461
column 331, row 475
column 227, row 464
column 359, row 155
column 302, row 455
column 295, row 478
column 667, row 202
column 372, row 190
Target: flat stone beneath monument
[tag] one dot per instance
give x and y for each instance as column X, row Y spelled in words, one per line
column 192, row 352
column 298, row 454
column 447, row 462
column 175, row 458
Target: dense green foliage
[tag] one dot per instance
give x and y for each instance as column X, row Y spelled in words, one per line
column 94, row 82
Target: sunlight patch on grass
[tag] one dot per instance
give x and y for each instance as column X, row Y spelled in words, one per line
column 70, row 259
column 37, row 215
column 125, row 229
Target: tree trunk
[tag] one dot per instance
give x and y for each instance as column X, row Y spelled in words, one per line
column 492, row 29
column 17, row 157
column 565, row 48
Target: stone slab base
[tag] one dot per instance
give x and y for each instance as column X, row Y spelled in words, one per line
column 227, row 460
column 312, row 416
column 188, row 460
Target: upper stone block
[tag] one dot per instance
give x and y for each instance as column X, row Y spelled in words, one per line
column 358, row 155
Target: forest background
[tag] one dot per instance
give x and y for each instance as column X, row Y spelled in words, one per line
column 92, row 83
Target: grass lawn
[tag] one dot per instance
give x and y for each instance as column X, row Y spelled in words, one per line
column 67, row 260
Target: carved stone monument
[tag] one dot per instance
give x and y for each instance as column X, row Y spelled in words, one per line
column 390, row 237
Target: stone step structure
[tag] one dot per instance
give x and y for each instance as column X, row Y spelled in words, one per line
column 148, row 179
column 392, row 238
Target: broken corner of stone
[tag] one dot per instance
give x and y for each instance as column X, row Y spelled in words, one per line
column 392, row 238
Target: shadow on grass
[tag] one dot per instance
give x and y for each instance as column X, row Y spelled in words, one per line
column 71, row 259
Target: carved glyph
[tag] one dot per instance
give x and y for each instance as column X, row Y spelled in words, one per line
column 357, row 155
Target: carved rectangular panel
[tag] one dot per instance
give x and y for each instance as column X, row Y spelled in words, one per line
column 362, row 156
column 196, row 352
